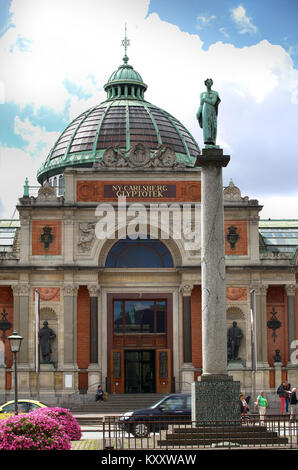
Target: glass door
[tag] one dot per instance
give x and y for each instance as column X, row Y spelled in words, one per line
column 139, row 371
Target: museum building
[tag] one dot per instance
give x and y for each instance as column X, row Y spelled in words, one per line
column 126, row 309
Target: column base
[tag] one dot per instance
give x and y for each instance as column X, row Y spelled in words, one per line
column 187, row 377
column 215, row 398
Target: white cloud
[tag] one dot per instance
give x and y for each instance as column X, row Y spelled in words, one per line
column 243, row 22
column 39, row 141
column 15, row 166
column 283, row 207
column 203, row 21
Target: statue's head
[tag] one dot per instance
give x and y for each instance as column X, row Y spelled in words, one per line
column 45, row 323
column 208, row 82
column 234, row 323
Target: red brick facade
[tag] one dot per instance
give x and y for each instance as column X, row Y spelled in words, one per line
column 38, row 247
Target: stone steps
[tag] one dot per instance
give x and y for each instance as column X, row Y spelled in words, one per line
column 118, row 403
column 250, row 435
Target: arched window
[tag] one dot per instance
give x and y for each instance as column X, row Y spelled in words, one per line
column 139, row 253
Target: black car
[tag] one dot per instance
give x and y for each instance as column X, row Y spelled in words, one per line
column 174, row 408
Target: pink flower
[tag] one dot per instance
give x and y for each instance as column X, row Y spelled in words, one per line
column 33, row 432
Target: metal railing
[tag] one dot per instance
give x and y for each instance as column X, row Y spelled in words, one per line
column 146, row 433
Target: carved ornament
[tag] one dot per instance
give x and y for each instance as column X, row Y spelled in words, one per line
column 138, row 156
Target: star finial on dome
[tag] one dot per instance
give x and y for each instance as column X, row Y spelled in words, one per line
column 125, row 43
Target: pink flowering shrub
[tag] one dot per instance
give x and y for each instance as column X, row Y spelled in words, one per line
column 32, row 432
column 64, row 417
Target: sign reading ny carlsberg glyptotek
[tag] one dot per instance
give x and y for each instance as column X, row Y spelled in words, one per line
column 96, row 191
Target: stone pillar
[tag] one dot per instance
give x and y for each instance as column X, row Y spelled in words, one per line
column 23, row 319
column 68, row 227
column 94, row 376
column 216, row 396
column 16, row 307
column 261, row 326
column 25, row 244
column 93, row 292
column 290, row 289
column 187, row 371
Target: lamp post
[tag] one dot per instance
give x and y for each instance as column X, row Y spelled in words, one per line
column 15, row 344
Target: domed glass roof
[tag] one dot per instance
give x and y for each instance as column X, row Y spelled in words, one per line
column 123, row 120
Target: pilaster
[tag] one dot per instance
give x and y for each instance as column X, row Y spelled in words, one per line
column 290, row 290
column 70, row 292
column 187, row 370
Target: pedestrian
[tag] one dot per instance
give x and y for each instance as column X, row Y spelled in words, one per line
column 243, row 407
column 281, row 391
column 293, row 403
column 262, row 404
column 99, row 394
column 288, row 396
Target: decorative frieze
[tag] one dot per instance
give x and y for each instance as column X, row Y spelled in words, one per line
column 236, row 293
column 86, row 236
column 138, row 156
column 48, row 294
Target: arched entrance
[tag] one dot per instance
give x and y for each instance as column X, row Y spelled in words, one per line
column 140, row 324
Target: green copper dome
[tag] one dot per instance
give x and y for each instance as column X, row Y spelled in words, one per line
column 126, row 73
column 123, row 120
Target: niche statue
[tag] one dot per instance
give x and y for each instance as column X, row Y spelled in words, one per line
column 207, row 113
column 234, row 338
column 46, row 334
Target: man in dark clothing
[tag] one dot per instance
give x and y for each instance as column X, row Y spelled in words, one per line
column 99, row 394
column 293, row 403
column 281, row 391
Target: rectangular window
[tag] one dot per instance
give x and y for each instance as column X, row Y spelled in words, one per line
column 139, row 316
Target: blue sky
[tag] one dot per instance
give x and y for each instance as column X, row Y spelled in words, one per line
column 56, row 56
column 274, row 20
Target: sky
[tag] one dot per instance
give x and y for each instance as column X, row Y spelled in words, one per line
column 56, row 55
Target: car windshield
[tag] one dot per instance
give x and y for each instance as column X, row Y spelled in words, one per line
column 157, row 404
column 23, row 407
column 170, row 403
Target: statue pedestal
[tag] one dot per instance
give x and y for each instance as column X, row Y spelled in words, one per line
column 235, row 364
column 215, row 398
column 278, row 373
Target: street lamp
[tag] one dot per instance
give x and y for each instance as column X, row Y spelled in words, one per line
column 15, row 344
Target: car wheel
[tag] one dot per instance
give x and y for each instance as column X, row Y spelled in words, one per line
column 141, row 430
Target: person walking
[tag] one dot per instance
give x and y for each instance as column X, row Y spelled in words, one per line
column 281, row 391
column 243, row 407
column 293, row 404
column 288, row 396
column 262, row 404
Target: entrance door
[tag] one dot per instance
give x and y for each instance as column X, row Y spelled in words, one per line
column 139, row 371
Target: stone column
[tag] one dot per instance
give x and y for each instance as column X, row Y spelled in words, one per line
column 290, row 289
column 23, row 319
column 187, row 372
column 216, row 396
column 261, row 326
column 68, row 227
column 93, row 292
column 25, row 244
column 70, row 292
column 94, row 377
column 16, row 307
